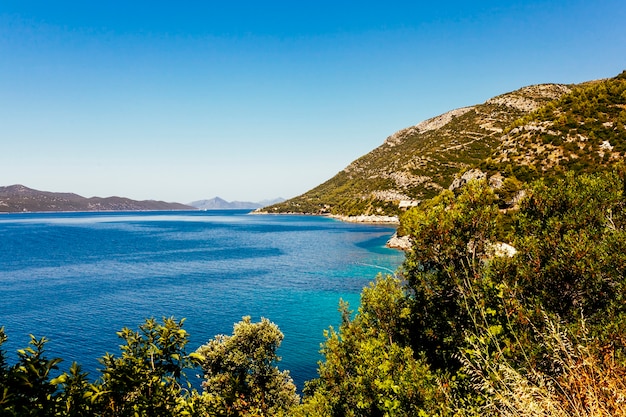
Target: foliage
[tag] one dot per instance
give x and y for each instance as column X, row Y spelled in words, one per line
column 368, row 370
column 146, row 379
column 240, row 376
column 583, row 131
column 573, row 241
column 451, row 236
column 570, row 261
column 75, row 390
column 26, row 389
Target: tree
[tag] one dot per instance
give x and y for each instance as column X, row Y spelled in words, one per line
column 240, row 373
column 75, row 390
column 147, row 378
column 571, row 238
column 368, row 370
column 26, row 388
column 451, row 235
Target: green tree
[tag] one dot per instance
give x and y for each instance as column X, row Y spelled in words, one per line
column 75, row 390
column 452, row 236
column 26, row 388
column 148, row 378
column 367, row 369
column 571, row 238
column 241, row 378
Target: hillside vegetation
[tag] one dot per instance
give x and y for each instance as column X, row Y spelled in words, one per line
column 535, row 130
column 582, row 131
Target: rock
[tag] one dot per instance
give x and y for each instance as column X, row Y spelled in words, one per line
column 472, row 174
column 500, row 249
column 368, row 219
column 405, row 204
column 426, row 126
column 496, row 181
column 399, row 242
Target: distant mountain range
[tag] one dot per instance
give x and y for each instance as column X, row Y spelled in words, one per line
column 536, row 131
column 217, row 203
column 18, row 198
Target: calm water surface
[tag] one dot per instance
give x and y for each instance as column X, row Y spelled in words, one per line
column 78, row 278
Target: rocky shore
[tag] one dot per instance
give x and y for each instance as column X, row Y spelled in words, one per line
column 395, row 242
column 367, row 219
column 399, row 242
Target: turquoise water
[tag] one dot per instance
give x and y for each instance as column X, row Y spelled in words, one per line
column 78, row 278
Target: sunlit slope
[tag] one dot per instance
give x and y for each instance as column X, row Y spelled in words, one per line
column 417, row 162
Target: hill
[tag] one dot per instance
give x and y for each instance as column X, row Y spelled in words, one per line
column 18, row 198
column 217, row 203
column 536, row 130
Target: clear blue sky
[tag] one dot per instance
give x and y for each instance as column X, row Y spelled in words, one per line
column 248, row 100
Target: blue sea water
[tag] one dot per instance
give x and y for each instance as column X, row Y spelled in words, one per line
column 78, row 278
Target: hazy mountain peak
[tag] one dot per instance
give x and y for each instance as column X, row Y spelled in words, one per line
column 217, row 203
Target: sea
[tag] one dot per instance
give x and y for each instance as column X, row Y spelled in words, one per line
column 78, row 278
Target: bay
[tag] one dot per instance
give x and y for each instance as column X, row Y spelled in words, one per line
column 78, row 278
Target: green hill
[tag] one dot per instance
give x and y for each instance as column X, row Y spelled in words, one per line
column 582, row 131
column 532, row 131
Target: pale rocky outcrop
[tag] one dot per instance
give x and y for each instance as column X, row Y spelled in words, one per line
column 427, row 125
column 532, row 97
column 399, row 242
column 388, row 195
column 500, row 249
column 496, row 181
column 467, row 176
column 404, row 204
column 373, row 219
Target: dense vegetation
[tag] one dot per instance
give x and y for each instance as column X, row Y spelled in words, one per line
column 469, row 332
column 582, row 131
column 149, row 377
column 462, row 329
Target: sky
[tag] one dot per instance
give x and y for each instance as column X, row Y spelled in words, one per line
column 252, row 100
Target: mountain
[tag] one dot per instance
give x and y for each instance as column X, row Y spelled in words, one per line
column 18, row 198
column 217, row 203
column 538, row 130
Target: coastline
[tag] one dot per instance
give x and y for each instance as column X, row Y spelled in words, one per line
column 402, row 243
column 370, row 219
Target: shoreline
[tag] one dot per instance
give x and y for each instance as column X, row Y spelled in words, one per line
column 402, row 243
column 368, row 219
column 362, row 218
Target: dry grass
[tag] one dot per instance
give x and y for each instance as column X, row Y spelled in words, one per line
column 589, row 382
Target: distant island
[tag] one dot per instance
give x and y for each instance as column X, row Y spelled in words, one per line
column 21, row 199
column 218, row 203
column 18, row 199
